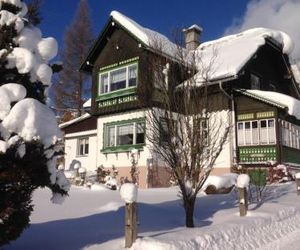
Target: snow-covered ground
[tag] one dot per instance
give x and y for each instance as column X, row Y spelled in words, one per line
column 94, row 219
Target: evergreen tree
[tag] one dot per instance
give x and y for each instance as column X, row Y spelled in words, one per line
column 29, row 144
column 69, row 89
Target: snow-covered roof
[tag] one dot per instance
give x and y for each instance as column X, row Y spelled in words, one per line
column 147, row 36
column 88, row 103
column 277, row 99
column 78, row 119
column 225, row 57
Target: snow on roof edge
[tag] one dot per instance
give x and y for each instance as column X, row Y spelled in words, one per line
column 88, row 103
column 130, row 25
column 278, row 99
column 247, row 92
column 148, row 37
column 78, row 119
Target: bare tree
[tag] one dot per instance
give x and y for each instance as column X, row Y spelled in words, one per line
column 185, row 128
column 69, row 89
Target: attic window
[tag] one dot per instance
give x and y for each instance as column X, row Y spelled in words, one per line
column 255, row 81
column 117, row 79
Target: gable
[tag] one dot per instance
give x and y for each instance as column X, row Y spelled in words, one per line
column 89, row 123
column 120, row 46
column 271, row 66
column 144, row 37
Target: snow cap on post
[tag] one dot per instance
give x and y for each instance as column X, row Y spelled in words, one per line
column 128, row 192
column 243, row 181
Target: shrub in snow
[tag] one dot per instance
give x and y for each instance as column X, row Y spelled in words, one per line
column 111, row 183
column 128, row 192
column 102, row 173
column 243, row 181
column 28, row 130
column 258, row 179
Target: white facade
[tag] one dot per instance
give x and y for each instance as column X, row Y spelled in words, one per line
column 225, row 159
column 122, row 159
column 72, row 150
column 119, row 159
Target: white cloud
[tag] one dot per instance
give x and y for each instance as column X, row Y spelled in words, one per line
column 282, row 15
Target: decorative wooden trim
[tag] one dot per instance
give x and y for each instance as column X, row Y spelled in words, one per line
column 123, row 122
column 116, row 65
column 123, row 148
column 256, row 115
column 116, row 93
column 257, row 154
column 243, row 117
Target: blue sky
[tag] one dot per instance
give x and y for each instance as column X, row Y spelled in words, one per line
column 160, row 15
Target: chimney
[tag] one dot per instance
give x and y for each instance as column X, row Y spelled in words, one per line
column 192, row 37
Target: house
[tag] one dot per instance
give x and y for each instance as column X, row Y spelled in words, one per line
column 251, row 79
column 80, row 142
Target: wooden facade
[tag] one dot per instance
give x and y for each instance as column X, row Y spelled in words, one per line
column 268, row 70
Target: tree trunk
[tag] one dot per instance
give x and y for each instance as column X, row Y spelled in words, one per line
column 189, row 205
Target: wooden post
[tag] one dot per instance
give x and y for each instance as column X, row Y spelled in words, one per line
column 298, row 186
column 243, row 200
column 130, row 224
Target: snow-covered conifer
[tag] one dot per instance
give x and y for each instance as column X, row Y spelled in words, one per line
column 29, row 136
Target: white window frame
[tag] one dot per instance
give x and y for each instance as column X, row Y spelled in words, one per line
column 109, row 72
column 290, row 134
column 85, row 142
column 242, row 141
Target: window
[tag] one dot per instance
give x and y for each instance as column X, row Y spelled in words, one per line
column 163, row 131
column 256, row 132
column 140, row 134
column 83, row 146
column 204, row 131
column 123, row 134
column 117, row 79
column 167, row 128
column 290, row 134
column 255, row 81
column 132, row 77
column 104, row 81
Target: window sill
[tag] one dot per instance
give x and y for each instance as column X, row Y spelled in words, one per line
column 116, row 93
column 259, row 145
column 78, row 156
column 122, row 148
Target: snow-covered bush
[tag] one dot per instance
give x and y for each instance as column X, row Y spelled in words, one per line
column 220, row 184
column 111, row 183
column 29, row 134
column 102, row 173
